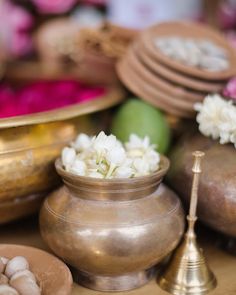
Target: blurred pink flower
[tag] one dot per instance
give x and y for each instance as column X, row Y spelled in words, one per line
column 15, row 22
column 54, row 6
column 227, row 14
column 231, row 37
column 95, row 2
column 44, row 96
column 230, row 89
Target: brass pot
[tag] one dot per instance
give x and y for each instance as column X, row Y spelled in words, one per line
column 217, row 186
column 113, row 231
column 30, row 144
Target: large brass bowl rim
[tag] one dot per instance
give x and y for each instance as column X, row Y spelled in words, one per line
column 113, row 96
column 154, row 177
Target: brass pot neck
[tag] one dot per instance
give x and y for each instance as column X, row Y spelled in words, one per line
column 112, row 189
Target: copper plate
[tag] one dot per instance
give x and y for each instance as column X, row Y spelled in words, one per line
column 180, row 92
column 191, row 30
column 52, row 274
column 181, row 78
column 151, row 79
column 135, row 83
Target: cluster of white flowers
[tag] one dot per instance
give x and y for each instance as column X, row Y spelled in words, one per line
column 217, row 118
column 106, row 157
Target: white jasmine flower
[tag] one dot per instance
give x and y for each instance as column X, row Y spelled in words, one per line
column 153, row 160
column 92, row 163
column 95, row 174
column 68, row 157
column 135, row 142
column 115, row 157
column 79, row 167
column 82, row 142
column 104, row 142
column 124, row 172
column 217, row 118
column 141, row 167
column 209, row 116
column 105, row 157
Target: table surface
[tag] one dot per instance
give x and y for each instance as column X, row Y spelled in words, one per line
column 223, row 265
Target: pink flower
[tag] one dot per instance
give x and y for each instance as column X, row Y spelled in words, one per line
column 54, row 6
column 43, row 96
column 96, row 2
column 231, row 37
column 15, row 22
column 227, row 15
column 230, row 89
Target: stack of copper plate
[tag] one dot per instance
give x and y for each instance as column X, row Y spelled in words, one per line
column 166, row 83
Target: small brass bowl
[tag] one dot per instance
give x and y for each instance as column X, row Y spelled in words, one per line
column 30, row 144
column 113, row 231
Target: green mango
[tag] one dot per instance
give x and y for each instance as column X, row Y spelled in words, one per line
column 139, row 117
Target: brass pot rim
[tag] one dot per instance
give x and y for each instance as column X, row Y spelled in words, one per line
column 155, row 176
column 114, row 95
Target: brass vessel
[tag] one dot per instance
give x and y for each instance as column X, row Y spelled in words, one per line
column 187, row 272
column 30, row 144
column 217, row 189
column 113, row 231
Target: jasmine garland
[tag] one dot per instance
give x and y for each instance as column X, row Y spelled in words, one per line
column 217, row 118
column 106, row 157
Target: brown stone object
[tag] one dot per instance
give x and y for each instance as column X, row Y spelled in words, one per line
column 217, row 187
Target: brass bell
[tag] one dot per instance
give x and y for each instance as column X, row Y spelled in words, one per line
column 187, row 272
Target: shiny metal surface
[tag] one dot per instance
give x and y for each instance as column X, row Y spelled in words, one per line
column 27, row 156
column 217, row 189
column 30, row 144
column 187, row 272
column 116, row 283
column 109, row 229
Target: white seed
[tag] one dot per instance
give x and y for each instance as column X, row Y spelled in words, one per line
column 26, row 273
column 4, row 260
column 3, row 263
column 213, row 63
column 2, row 267
column 3, row 279
column 16, row 264
column 25, row 285
column 7, row 290
column 199, row 53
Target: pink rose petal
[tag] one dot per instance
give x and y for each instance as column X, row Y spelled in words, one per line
column 44, row 96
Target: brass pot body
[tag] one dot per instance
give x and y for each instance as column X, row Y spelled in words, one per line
column 217, row 186
column 112, row 231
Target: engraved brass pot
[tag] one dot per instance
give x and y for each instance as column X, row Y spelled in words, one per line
column 30, row 144
column 113, row 231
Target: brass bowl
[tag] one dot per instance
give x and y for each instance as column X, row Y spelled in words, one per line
column 20, row 207
column 30, row 144
column 113, row 231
